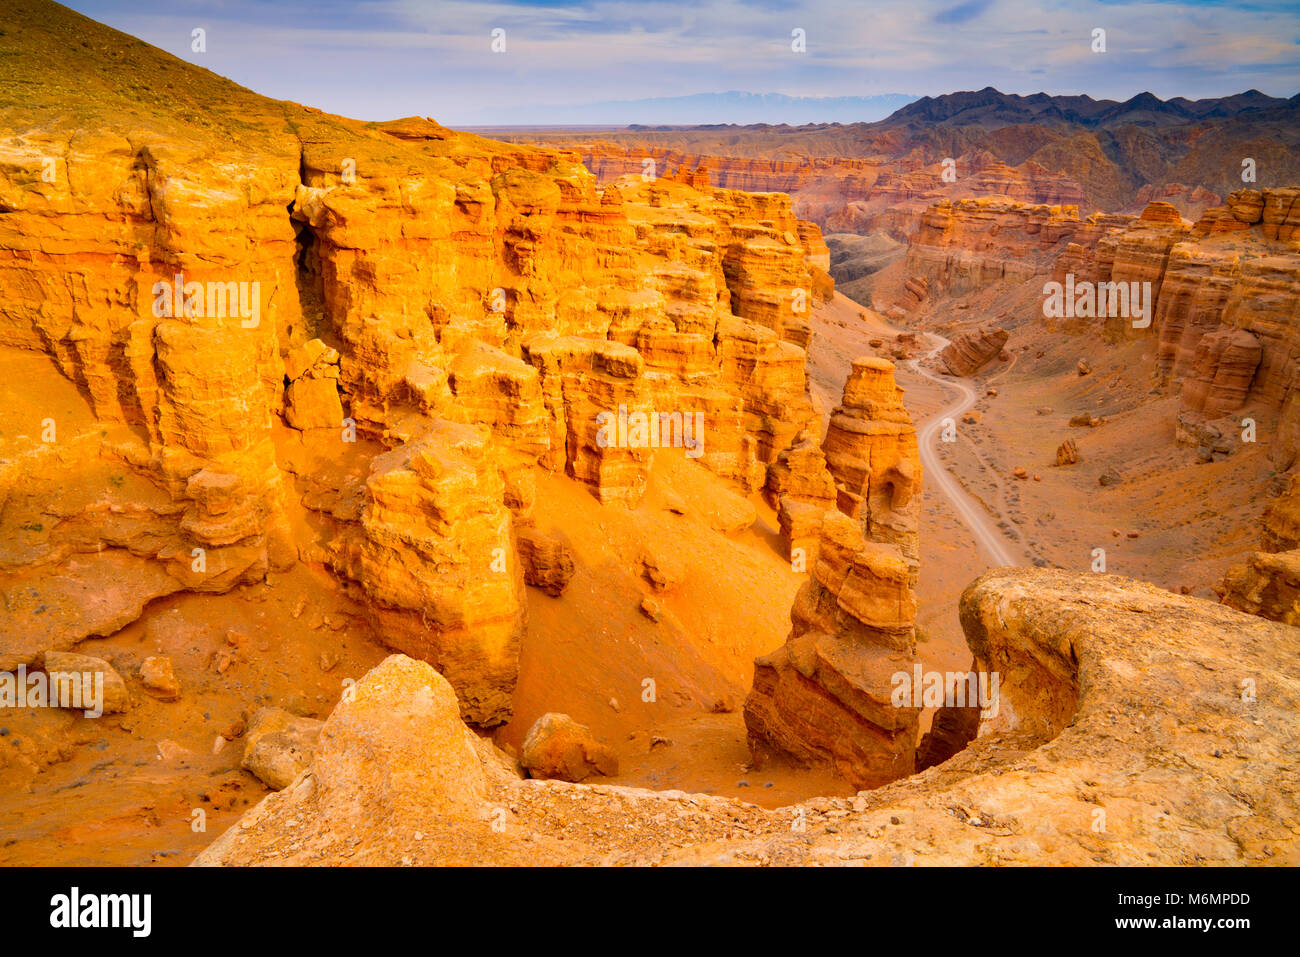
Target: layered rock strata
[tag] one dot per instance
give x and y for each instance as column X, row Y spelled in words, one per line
column 966, row 244
column 825, row 697
column 862, row 195
column 353, row 344
column 971, row 351
column 1223, row 294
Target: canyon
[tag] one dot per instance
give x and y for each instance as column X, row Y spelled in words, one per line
column 374, row 580
column 867, row 185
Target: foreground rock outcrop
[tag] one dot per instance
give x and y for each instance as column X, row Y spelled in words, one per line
column 1103, row 679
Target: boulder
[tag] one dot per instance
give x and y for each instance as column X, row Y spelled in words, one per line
column 971, row 351
column 278, row 746
column 312, row 396
column 397, row 745
column 159, row 679
column 651, row 609
column 558, row 747
column 661, row 566
column 77, row 672
column 547, row 558
column 1067, row 453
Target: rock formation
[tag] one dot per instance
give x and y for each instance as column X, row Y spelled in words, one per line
column 871, row 452
column 279, row 746
column 1268, row 585
column 560, row 748
column 1280, row 531
column 1220, row 380
column 1073, row 769
column 971, row 351
column 1224, row 296
column 860, row 194
column 825, row 696
column 1190, row 201
column 355, row 345
column 1067, row 453
column 802, row 489
column 963, row 245
column 547, row 558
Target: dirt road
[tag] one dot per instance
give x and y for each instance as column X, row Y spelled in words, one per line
column 972, row 514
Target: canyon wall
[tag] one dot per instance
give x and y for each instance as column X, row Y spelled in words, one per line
column 355, row 345
column 864, row 195
column 968, row 244
column 1225, row 306
column 1221, row 295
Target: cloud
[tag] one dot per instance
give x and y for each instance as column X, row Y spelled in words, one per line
column 376, row 59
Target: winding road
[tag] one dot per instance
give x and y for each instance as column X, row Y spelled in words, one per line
column 981, row 525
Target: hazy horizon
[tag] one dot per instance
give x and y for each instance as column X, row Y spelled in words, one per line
column 569, row 63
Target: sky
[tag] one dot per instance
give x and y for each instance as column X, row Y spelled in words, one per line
column 382, row 59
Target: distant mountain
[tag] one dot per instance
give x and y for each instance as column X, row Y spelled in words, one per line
column 1112, row 150
column 990, row 109
column 712, row 108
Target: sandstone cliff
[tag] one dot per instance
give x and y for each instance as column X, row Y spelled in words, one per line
column 964, row 245
column 280, row 335
column 1224, row 295
column 843, row 194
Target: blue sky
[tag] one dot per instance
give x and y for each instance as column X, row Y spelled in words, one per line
column 378, row 59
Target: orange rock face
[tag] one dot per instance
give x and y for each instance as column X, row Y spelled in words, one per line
column 825, row 697
column 845, row 194
column 971, row 351
column 355, row 344
column 1191, row 201
column 1225, row 293
column 871, row 451
column 1280, row 526
column 1268, row 586
column 435, row 556
column 966, row 244
column 1226, row 360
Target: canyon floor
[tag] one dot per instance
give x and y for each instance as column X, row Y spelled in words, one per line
column 123, row 790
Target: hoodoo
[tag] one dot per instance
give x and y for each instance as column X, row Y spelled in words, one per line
column 825, row 696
